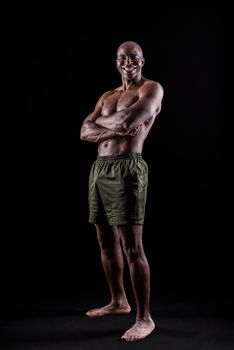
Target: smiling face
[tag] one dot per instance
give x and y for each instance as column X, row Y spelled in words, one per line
column 129, row 60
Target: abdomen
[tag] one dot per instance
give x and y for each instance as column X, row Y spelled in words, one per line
column 121, row 145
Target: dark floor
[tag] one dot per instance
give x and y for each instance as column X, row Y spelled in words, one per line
column 54, row 319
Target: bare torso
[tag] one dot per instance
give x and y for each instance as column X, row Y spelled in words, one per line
column 115, row 102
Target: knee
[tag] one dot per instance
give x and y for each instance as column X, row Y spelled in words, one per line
column 133, row 253
column 106, row 246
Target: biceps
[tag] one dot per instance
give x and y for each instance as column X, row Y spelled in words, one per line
column 139, row 115
column 143, row 110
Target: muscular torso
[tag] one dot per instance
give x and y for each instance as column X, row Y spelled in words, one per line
column 123, row 144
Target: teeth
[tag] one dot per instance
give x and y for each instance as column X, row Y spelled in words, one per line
column 129, row 69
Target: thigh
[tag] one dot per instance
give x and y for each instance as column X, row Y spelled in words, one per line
column 123, row 192
column 107, row 235
column 131, row 235
column 96, row 209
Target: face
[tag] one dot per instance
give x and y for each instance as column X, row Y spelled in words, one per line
column 129, row 61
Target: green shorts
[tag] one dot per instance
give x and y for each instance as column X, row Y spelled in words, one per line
column 118, row 189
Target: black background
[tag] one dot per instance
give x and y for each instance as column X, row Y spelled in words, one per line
column 54, row 70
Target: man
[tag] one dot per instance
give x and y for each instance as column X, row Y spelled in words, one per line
column 120, row 123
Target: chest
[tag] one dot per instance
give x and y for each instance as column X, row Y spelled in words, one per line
column 119, row 100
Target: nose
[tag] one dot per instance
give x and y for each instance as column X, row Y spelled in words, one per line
column 129, row 59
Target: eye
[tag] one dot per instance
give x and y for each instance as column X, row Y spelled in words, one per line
column 121, row 58
column 135, row 58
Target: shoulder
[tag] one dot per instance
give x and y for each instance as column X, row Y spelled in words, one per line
column 152, row 87
column 111, row 92
column 103, row 97
column 106, row 94
column 152, row 84
column 118, row 89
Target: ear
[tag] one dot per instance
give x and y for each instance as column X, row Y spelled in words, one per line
column 117, row 65
column 143, row 61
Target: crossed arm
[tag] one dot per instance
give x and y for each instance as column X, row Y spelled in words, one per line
column 90, row 130
column 97, row 128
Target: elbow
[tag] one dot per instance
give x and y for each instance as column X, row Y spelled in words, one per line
column 120, row 127
column 129, row 124
column 82, row 135
column 123, row 125
column 126, row 125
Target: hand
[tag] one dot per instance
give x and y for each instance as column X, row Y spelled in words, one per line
column 131, row 132
column 135, row 131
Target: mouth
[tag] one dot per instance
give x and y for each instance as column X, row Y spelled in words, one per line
column 129, row 69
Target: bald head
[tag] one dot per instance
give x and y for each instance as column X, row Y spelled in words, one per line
column 130, row 46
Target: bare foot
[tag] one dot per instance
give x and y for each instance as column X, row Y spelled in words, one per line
column 139, row 330
column 110, row 309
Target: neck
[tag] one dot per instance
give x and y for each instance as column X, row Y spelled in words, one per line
column 126, row 84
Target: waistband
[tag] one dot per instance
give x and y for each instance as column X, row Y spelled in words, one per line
column 120, row 156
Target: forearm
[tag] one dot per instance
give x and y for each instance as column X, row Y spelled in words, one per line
column 114, row 122
column 92, row 132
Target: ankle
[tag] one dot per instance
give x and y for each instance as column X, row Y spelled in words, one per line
column 119, row 302
column 145, row 318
